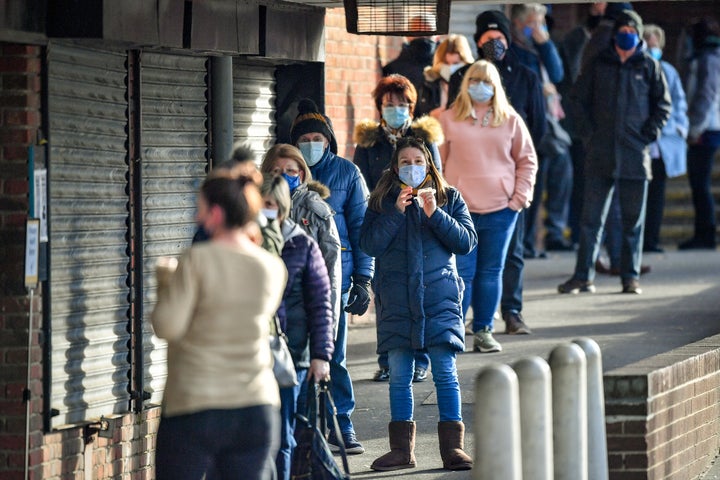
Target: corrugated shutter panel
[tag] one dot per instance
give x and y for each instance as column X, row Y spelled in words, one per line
column 174, row 163
column 254, row 106
column 88, row 209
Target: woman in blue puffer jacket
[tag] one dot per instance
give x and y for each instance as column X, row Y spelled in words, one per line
column 414, row 227
column 305, row 314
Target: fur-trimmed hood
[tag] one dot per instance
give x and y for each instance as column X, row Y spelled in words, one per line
column 319, row 188
column 367, row 132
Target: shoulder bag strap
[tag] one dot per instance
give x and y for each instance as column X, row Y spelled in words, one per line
column 325, row 395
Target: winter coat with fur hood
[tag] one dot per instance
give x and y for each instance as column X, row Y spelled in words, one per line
column 313, row 214
column 374, row 151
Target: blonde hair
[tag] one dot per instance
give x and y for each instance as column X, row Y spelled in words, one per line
column 652, row 29
column 453, row 43
column 284, row 150
column 484, row 71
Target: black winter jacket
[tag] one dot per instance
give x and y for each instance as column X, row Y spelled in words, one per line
column 620, row 109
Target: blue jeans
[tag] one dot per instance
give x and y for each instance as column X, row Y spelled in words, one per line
column 288, row 408
column 444, row 374
column 228, row 443
column 422, row 360
column 596, row 204
column 482, row 269
column 341, row 387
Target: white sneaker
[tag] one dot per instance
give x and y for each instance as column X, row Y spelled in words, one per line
column 484, row 342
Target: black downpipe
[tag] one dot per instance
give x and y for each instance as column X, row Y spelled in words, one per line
column 137, row 394
column 46, row 339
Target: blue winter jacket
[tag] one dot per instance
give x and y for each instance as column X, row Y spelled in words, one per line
column 418, row 292
column 348, row 198
column 306, row 314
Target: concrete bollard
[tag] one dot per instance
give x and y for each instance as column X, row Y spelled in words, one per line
column 497, row 424
column 535, row 418
column 569, row 398
column 597, row 439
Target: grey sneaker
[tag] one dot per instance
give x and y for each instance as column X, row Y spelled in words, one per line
column 484, row 342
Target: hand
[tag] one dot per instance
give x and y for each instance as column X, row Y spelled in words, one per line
column 539, row 32
column 428, row 200
column 359, row 296
column 319, row 371
column 404, row 199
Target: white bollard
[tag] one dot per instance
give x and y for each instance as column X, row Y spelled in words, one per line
column 535, row 418
column 597, row 439
column 497, row 424
column 569, row 394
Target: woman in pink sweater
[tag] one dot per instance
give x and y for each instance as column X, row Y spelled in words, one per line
column 489, row 156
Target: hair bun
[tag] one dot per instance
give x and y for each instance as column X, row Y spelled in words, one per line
column 307, row 106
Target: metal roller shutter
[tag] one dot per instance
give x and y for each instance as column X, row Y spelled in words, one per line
column 254, row 106
column 174, row 163
column 88, row 207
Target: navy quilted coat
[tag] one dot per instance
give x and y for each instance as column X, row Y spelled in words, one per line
column 306, row 316
column 417, row 289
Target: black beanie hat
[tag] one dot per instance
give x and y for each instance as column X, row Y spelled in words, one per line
column 629, row 18
column 614, row 9
column 492, row 20
column 310, row 120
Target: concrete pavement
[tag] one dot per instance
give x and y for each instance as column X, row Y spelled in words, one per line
column 680, row 304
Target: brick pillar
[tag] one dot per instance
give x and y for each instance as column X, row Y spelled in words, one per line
column 19, row 122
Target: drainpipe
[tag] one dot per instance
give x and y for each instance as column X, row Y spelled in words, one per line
column 221, row 94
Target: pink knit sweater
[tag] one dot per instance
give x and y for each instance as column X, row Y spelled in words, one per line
column 493, row 167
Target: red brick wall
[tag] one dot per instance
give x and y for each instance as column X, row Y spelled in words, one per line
column 19, row 122
column 352, row 68
column 663, row 414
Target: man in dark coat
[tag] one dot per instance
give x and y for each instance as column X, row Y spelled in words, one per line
column 415, row 55
column 620, row 103
column 524, row 91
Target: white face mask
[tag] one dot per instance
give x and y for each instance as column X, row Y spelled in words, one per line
column 312, row 152
column 269, row 213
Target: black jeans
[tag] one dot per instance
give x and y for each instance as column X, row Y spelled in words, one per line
column 655, row 205
column 699, row 166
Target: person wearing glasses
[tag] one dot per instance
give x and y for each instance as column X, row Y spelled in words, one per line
column 496, row 182
column 395, row 98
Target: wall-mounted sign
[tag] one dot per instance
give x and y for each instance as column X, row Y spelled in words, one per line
column 32, row 252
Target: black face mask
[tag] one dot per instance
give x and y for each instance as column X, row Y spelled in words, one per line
column 493, row 50
column 593, row 21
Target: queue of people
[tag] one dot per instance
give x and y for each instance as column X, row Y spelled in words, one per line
column 426, row 221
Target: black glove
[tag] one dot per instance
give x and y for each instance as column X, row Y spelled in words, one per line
column 359, row 296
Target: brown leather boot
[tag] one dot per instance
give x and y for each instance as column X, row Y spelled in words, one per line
column 402, row 448
column 452, row 440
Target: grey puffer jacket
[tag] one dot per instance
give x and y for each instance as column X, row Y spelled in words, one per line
column 313, row 214
column 619, row 109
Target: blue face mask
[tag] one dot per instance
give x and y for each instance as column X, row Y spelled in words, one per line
column 412, row 175
column 312, row 152
column 292, row 182
column 396, row 117
column 527, row 31
column 626, row 40
column 656, row 53
column 481, row 92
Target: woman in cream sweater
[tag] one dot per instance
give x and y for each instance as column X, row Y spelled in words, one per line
column 489, row 156
column 221, row 403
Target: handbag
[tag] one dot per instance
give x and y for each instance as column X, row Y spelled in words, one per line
column 283, row 365
column 312, row 458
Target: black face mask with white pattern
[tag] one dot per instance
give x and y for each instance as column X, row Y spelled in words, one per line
column 493, row 50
